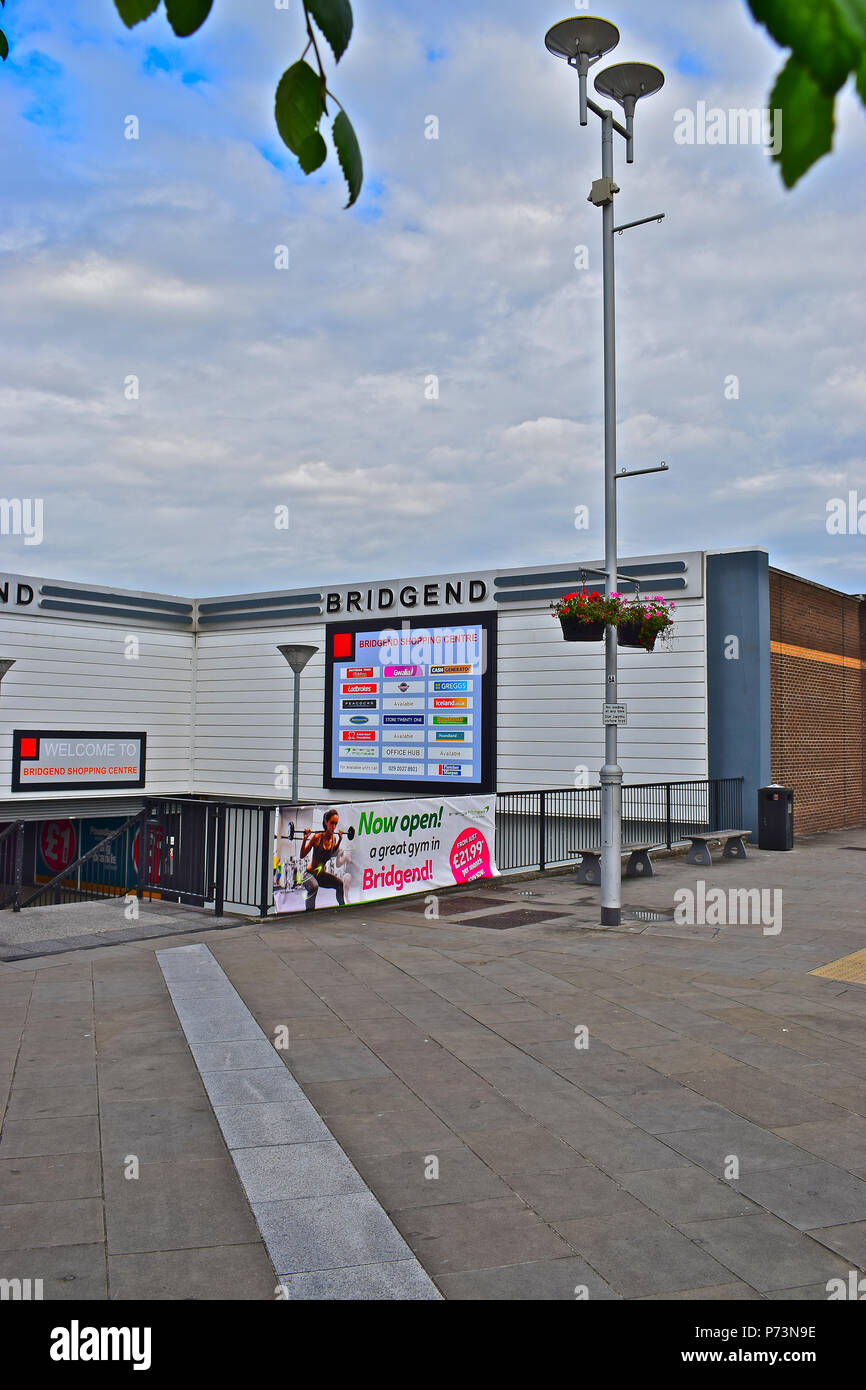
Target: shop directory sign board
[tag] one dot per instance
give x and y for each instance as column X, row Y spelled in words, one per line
column 411, row 706
column 64, row 760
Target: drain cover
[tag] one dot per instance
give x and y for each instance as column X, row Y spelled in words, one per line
column 454, row 903
column 648, row 914
column 521, row 918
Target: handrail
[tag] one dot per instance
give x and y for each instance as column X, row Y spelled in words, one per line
column 57, row 880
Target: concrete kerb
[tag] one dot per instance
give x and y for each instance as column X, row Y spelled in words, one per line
column 326, row 1234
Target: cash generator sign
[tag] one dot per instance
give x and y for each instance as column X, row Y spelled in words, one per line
column 77, row 759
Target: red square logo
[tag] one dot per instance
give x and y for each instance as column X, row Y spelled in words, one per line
column 342, row 646
column 30, row 748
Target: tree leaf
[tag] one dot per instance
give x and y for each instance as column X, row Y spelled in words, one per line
column 300, row 101
column 4, row 46
column 185, row 16
column 334, row 18
column 816, row 35
column 349, row 155
column 134, row 11
column 807, row 121
column 853, row 13
column 861, row 79
column 312, row 153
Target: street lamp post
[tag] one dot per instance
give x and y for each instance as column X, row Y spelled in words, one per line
column 297, row 657
column 582, row 42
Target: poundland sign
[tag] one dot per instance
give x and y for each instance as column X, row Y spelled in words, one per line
column 61, row 760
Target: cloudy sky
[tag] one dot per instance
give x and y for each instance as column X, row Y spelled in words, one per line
column 305, row 387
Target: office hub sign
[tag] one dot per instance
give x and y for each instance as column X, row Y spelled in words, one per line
column 80, row 760
column 410, row 706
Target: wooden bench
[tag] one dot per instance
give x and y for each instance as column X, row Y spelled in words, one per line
column 734, row 845
column 639, row 863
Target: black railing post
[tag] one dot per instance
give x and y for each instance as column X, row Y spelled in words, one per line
column 143, row 852
column 542, row 834
column 668, row 827
column 715, row 823
column 267, row 861
column 220, row 868
column 19, row 864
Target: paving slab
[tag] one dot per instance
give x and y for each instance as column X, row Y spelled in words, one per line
column 401, row 1280
column 68, row 1272
column 310, row 1234
column 563, row 1280
column 639, row 1253
column 236, row 1272
column 816, row 1194
column 765, row 1252
column 270, row 1122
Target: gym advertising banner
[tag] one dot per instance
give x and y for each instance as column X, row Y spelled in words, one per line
column 335, row 856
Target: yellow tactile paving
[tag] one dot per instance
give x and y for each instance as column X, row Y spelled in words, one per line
column 849, row 968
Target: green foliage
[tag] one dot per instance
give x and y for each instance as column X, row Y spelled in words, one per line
column 4, row 46
column 134, row 11
column 334, row 18
column 808, row 120
column 302, row 91
column 827, row 39
column 185, row 16
column 349, row 155
column 300, row 102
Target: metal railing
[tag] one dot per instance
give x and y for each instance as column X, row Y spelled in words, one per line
column 11, row 864
column 94, row 875
column 542, row 829
column 201, row 852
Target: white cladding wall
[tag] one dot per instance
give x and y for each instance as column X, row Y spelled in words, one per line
column 218, row 713
column 74, row 675
column 550, row 695
column 243, row 714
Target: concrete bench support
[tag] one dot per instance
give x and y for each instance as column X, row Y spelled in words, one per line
column 734, row 846
column 639, row 863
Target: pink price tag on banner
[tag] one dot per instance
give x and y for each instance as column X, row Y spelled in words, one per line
column 470, row 856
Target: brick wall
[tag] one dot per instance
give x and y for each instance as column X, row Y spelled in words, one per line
column 818, row 701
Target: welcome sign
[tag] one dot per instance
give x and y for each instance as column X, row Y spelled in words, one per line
column 80, row 760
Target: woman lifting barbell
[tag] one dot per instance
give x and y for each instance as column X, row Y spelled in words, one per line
column 322, row 845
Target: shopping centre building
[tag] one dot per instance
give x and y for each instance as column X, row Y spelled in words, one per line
column 114, row 697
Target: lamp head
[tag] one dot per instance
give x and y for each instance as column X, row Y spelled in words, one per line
column 626, row 83
column 297, row 656
column 584, row 35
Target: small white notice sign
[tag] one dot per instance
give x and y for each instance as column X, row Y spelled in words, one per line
column 614, row 714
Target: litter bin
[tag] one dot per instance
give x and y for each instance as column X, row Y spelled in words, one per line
column 775, row 817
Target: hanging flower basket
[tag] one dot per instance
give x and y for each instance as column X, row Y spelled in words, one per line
column 643, row 620
column 584, row 616
column 628, row 635
column 576, row 629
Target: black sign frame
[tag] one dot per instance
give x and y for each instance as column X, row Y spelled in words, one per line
column 76, row 783
column 487, row 621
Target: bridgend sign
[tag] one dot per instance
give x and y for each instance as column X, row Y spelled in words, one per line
column 386, row 598
column 79, row 759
